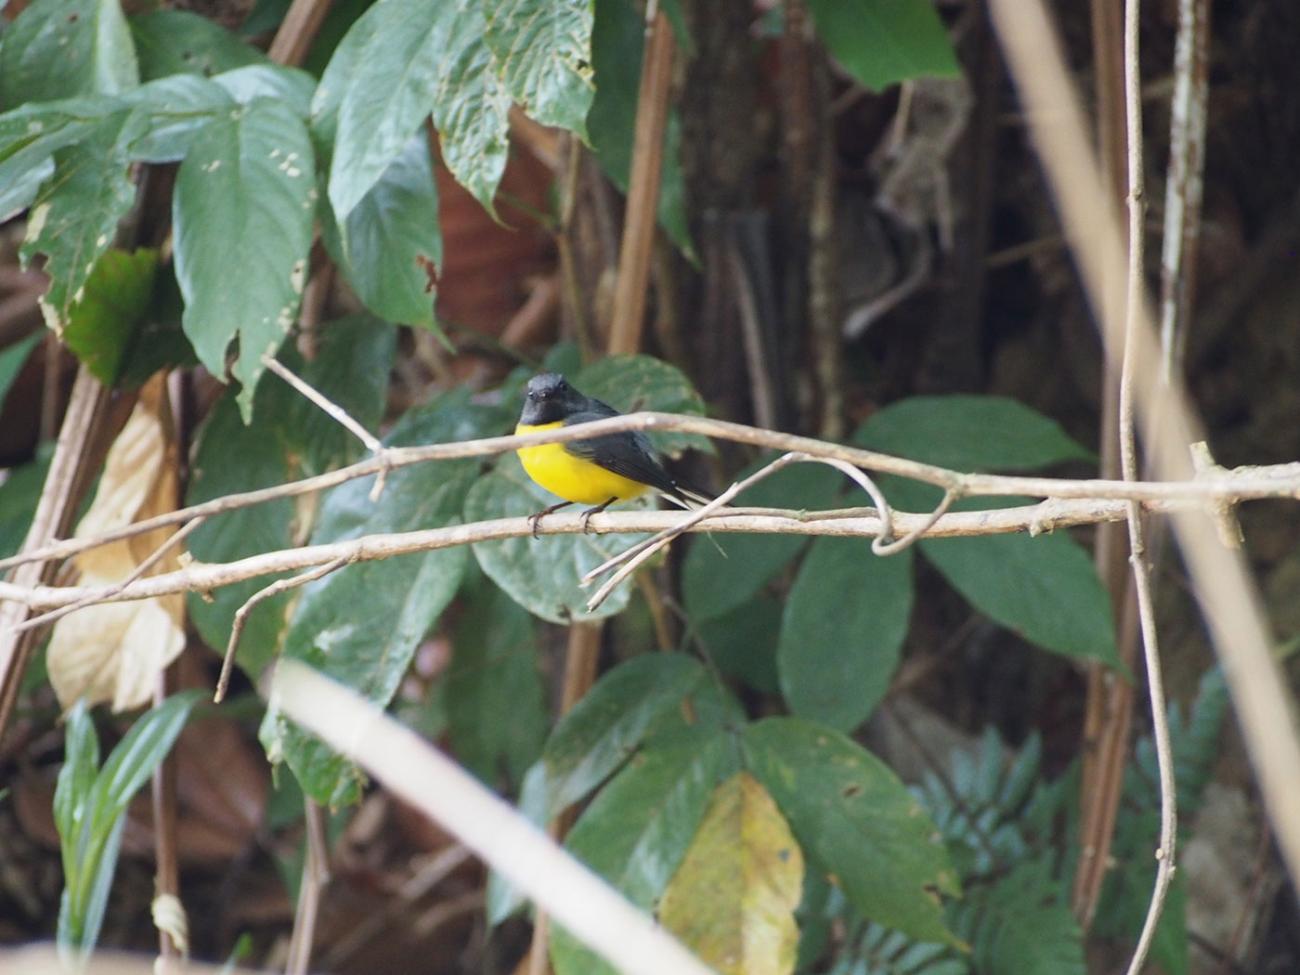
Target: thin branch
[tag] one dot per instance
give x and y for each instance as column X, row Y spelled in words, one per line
column 297, row 31
column 847, row 523
column 168, row 911
column 591, row 910
column 336, row 412
column 315, row 874
column 1129, row 465
column 1220, row 577
column 241, row 617
column 1243, row 484
column 137, row 573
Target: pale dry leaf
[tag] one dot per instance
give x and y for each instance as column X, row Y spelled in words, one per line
column 113, row 652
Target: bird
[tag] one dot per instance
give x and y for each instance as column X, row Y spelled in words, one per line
column 597, row 471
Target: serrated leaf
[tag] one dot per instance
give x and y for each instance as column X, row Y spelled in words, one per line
column 857, row 822
column 62, row 48
column 289, row 438
column 843, row 631
column 732, row 900
column 882, row 42
column 628, row 704
column 722, row 573
column 640, row 382
column 75, row 216
column 171, row 42
column 102, row 325
column 1022, row 925
column 969, row 433
column 362, row 624
column 541, row 574
column 1046, row 589
column 471, row 109
column 618, row 47
column 493, row 693
column 375, row 92
column 391, row 239
column 243, row 212
column 636, row 831
column 543, row 52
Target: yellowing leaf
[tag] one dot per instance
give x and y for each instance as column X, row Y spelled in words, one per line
column 113, row 652
column 733, row 898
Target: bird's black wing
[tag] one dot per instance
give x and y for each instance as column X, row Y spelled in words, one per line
column 628, row 454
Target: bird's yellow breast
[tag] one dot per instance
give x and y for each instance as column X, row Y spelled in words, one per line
column 571, row 477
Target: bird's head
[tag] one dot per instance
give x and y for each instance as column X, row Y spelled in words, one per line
column 549, row 399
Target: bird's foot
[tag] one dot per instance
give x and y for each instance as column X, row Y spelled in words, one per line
column 535, row 519
column 586, row 515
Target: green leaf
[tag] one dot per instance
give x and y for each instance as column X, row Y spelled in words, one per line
column 636, row 831
column 178, row 108
column 724, row 572
column 61, row 48
column 243, row 212
column 495, row 701
column 543, row 49
column 19, row 495
column 253, row 81
column 391, row 237
column 102, row 325
column 742, row 643
column 541, row 574
column 362, row 624
column 857, row 822
column 375, row 92
column 17, row 194
column 1045, row 589
column 969, row 433
column 640, row 382
column 289, row 438
column 76, row 213
column 29, row 137
column 882, row 42
column 634, row 700
column 618, row 46
column 843, row 630
column 171, row 42
column 1022, row 925
column 471, row 109
column 12, row 360
column 90, row 809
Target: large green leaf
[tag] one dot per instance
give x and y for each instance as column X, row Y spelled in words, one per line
column 471, row 109
column 253, row 81
column 375, row 92
column 742, row 643
column 641, row 382
column 842, row 631
column 543, row 49
column 618, row 46
column 243, row 213
column 634, row 700
column 102, row 325
column 362, row 624
column 969, row 433
column 61, row 48
column 857, row 822
column 289, row 438
column 1045, row 588
column 724, row 572
column 881, row 42
column 76, row 213
column 636, row 831
column 492, row 692
column 171, row 42
column 391, row 238
column 178, row 107
column 541, row 574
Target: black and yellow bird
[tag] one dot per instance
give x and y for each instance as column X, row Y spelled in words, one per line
column 597, row 470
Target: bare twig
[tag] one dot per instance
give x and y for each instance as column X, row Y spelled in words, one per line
column 315, row 874
column 138, row 572
column 1243, row 484
column 172, row 932
column 241, row 617
column 583, row 903
column 1220, row 577
column 1129, row 465
column 297, row 31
